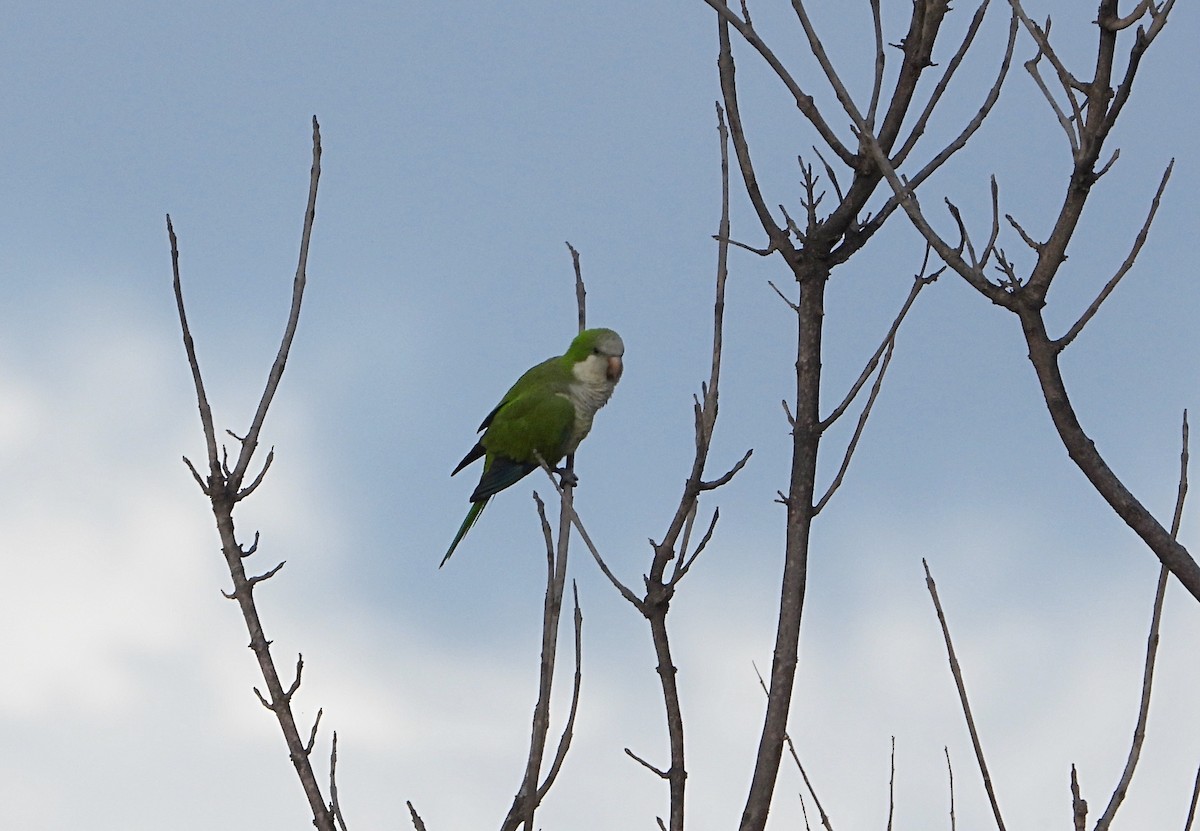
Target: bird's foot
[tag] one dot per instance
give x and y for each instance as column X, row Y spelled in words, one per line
column 566, row 478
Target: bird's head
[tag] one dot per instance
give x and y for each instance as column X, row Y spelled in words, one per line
column 597, row 356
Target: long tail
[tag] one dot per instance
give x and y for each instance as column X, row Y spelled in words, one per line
column 472, row 516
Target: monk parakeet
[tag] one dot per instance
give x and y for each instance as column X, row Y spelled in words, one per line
column 548, row 412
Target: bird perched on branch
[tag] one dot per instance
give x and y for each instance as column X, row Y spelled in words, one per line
column 547, row 413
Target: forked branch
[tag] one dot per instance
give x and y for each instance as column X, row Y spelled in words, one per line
column 224, row 491
column 1027, row 298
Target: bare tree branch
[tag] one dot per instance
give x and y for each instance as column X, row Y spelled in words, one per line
column 564, row 741
column 1139, row 731
column 876, row 78
column 858, row 430
column 624, row 590
column 1068, row 123
column 726, row 477
column 312, row 734
column 1142, row 41
column 335, row 806
column 1089, row 313
column 950, row 776
column 960, row 141
column 804, row 101
column 533, row 789
column 190, row 466
column 529, row 794
column 661, row 774
column 253, row 486
column 956, row 671
column 1187, row 826
column 1027, row 299
column 684, row 563
column 839, row 235
column 795, row 307
column 189, row 345
column 580, row 289
column 250, row 443
column 223, row 488
column 919, row 282
column 656, row 603
column 892, row 786
column 1116, row 24
column 943, row 84
column 418, row 823
column 777, row 237
column 1079, row 805
column 266, row 575
column 796, row 758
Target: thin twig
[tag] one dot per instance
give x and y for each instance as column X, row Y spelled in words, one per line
column 832, row 174
column 335, row 806
column 858, row 430
column 624, row 590
column 196, row 476
column 990, row 248
column 1187, row 826
column 1069, row 82
column 312, row 734
column 804, row 811
column 1127, row 264
column 250, row 443
column 796, row 758
column 950, row 776
column 418, row 823
column 564, row 741
column 726, row 477
column 1079, row 805
column 661, row 774
column 189, row 345
column 580, row 289
column 795, row 307
column 1064, row 121
column 919, row 283
column 956, row 671
column 253, row 486
column 777, row 237
column 892, row 786
column 877, row 77
column 1033, row 244
column 682, row 566
column 1139, row 730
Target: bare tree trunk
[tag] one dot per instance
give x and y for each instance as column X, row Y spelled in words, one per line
column 806, row 439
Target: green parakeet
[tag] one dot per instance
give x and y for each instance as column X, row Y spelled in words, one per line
column 548, row 411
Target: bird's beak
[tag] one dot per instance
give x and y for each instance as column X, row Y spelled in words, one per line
column 615, row 368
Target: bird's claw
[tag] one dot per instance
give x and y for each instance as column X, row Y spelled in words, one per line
column 567, row 478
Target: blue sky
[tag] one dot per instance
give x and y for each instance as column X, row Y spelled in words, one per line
column 465, row 142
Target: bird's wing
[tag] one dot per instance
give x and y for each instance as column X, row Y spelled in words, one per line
column 535, row 422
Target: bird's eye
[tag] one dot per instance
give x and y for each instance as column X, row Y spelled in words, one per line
column 595, row 350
